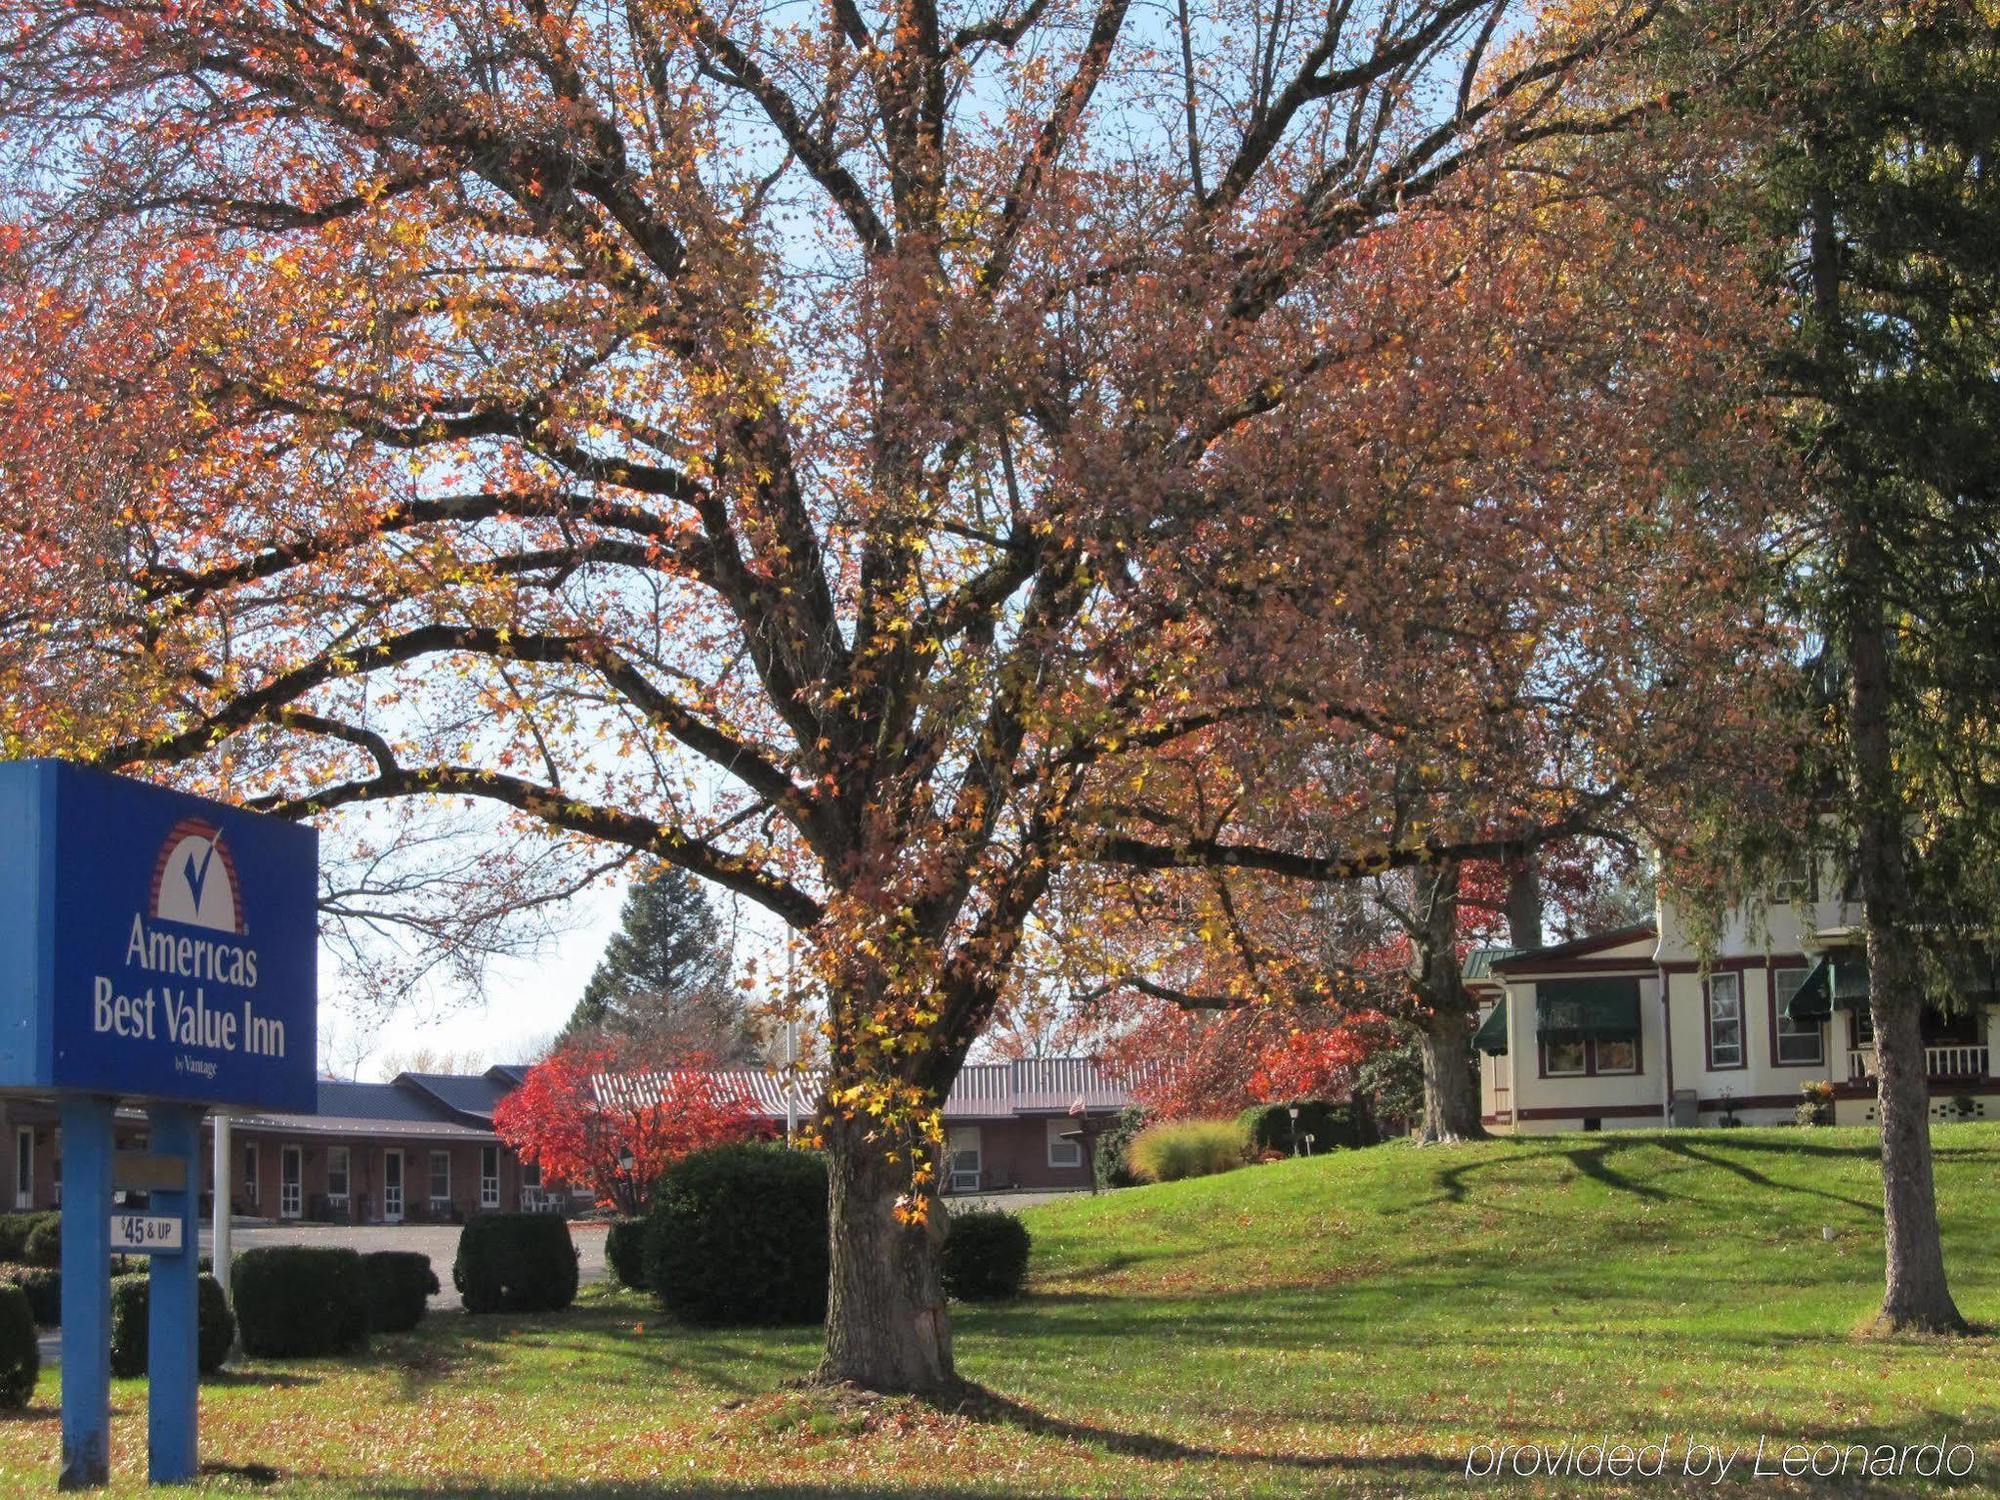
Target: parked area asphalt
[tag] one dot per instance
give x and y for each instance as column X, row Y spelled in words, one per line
column 438, row 1241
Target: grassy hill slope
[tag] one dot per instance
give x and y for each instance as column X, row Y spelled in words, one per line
column 1354, row 1324
column 1406, row 1304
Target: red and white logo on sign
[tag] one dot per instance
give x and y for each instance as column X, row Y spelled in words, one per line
column 195, row 880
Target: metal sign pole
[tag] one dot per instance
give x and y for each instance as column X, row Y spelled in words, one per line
column 172, row 1337
column 87, row 1147
column 219, row 1208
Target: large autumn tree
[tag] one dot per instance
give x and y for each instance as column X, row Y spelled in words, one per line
column 872, row 457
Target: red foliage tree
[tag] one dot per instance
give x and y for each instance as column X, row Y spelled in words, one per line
column 591, row 1117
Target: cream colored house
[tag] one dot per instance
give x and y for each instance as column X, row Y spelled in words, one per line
column 1631, row 1029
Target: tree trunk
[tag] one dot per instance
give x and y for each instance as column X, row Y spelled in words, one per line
column 1451, row 1087
column 886, row 1325
column 1524, row 903
column 1916, row 1295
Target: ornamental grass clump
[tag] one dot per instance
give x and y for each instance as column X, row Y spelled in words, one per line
column 1188, row 1148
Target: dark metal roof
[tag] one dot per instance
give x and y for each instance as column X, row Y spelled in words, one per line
column 378, row 1101
column 470, row 1095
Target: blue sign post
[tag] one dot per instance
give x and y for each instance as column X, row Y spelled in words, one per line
column 167, row 954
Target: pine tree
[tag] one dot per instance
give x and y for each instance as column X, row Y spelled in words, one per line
column 1885, row 203
column 664, row 979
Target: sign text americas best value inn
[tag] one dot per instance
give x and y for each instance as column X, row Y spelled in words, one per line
column 169, row 942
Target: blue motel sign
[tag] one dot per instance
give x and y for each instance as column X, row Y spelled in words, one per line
column 166, row 957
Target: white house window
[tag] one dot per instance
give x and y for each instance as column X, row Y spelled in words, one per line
column 440, row 1178
column 964, row 1163
column 1799, row 1042
column 1616, row 1054
column 1797, row 883
column 489, row 1176
column 1725, row 1021
column 250, row 1173
column 1562, row 1057
column 24, row 1166
column 337, row 1161
column 1064, row 1153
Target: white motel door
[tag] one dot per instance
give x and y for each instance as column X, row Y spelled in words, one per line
column 392, row 1187
column 291, row 1183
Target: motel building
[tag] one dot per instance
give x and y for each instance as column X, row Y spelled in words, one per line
column 421, row 1148
column 1631, row 1028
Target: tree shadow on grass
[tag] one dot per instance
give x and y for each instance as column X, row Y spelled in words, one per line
column 1592, row 1162
column 986, row 1405
column 1686, row 1150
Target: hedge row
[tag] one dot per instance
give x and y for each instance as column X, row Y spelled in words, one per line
column 296, row 1301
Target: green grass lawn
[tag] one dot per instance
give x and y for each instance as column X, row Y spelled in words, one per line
column 1351, row 1324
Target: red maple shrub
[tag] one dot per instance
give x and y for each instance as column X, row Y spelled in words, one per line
column 594, row 1116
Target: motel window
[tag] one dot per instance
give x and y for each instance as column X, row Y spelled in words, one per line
column 1798, row 1042
column 24, row 1166
column 1064, row 1153
column 489, row 1176
column 250, row 1173
column 336, row 1173
column 440, row 1177
column 963, row 1161
column 1725, row 1021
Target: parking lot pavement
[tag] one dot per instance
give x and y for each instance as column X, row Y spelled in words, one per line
column 438, row 1241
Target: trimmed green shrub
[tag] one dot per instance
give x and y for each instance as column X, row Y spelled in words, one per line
column 20, row 1357
column 43, row 1244
column 1270, row 1126
column 625, row 1252
column 738, row 1236
column 17, row 1228
column 43, row 1288
column 400, row 1284
column 515, row 1263
column 131, row 1303
column 1187, row 1148
column 216, row 1324
column 985, row 1255
column 300, row 1300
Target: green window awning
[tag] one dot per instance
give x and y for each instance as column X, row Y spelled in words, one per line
column 1570, row 1008
column 1813, row 999
column 1491, row 1038
column 1835, row 983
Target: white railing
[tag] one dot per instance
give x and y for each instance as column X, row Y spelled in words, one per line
column 1959, row 1060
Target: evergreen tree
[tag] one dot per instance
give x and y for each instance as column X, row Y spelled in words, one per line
column 1883, row 203
column 664, row 979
